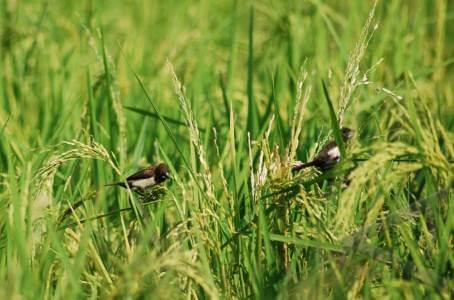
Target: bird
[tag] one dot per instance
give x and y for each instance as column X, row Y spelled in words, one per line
column 139, row 182
column 328, row 157
column 145, row 178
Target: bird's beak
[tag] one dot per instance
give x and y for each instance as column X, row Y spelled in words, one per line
column 168, row 175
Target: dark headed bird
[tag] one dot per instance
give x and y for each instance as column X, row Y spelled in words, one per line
column 138, row 182
column 146, row 178
column 328, row 156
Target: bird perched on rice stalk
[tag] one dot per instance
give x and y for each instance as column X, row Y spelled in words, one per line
column 144, row 179
column 146, row 183
column 328, row 157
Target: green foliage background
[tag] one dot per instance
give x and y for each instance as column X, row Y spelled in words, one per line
column 229, row 95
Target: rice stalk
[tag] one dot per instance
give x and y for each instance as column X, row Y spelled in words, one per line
column 297, row 121
column 174, row 263
column 265, row 163
column 114, row 93
column 79, row 150
column 194, row 133
column 353, row 77
column 366, row 174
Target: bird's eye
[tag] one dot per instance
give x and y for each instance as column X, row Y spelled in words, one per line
column 164, row 176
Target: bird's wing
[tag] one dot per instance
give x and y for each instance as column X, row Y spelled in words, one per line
column 142, row 174
column 327, row 154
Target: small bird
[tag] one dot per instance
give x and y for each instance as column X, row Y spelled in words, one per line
column 138, row 182
column 146, row 178
column 328, row 157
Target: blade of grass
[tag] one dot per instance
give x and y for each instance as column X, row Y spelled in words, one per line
column 4, row 125
column 141, row 140
column 277, row 113
column 334, row 121
column 306, row 243
column 232, row 49
column 94, row 131
column 154, row 115
column 252, row 121
column 263, row 227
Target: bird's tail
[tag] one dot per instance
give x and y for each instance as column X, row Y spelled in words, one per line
column 122, row 184
column 299, row 165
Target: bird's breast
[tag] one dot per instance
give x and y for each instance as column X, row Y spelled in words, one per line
column 143, row 183
column 334, row 153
